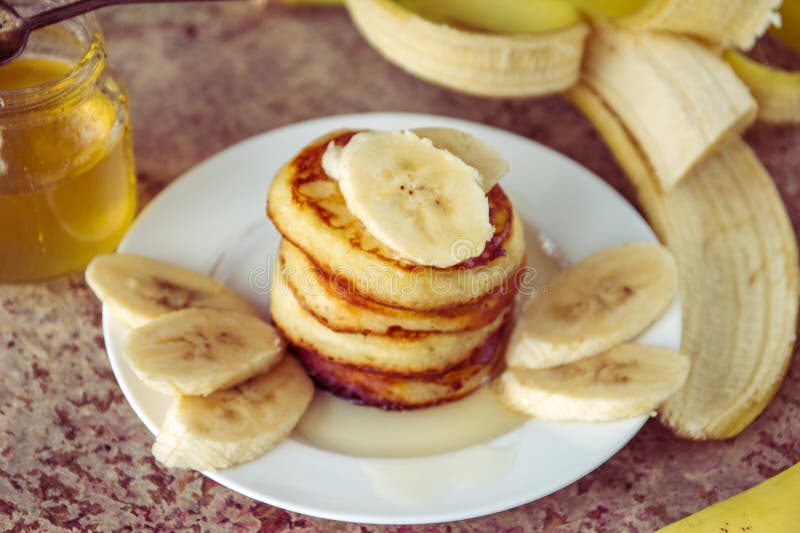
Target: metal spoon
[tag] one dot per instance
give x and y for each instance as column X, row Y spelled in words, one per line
column 14, row 28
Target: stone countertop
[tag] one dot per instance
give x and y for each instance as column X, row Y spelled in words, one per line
column 74, row 456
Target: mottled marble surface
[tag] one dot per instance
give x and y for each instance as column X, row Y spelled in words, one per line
column 73, row 456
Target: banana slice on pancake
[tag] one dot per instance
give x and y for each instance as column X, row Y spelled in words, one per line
column 484, row 158
column 627, row 381
column 423, row 202
column 607, row 298
column 471, row 150
column 308, row 209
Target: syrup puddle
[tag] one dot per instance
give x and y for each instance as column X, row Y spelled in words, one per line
column 336, row 425
column 434, row 477
column 340, row 426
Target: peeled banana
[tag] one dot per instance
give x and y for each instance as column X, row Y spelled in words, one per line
column 423, row 202
column 235, row 425
column 199, row 351
column 473, row 62
column 776, row 91
column 137, row 289
column 606, row 299
column 678, row 99
column 737, row 262
column 726, row 22
column 628, row 380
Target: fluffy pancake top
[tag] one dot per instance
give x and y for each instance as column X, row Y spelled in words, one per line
column 309, row 210
column 314, row 190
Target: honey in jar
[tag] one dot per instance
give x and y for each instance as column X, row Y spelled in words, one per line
column 67, row 182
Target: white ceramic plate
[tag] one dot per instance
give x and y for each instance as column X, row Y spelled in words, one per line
column 212, row 220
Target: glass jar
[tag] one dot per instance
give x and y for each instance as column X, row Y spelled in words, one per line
column 67, row 181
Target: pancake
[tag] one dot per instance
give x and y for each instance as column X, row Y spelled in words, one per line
column 342, row 309
column 308, row 210
column 367, row 324
column 396, row 392
column 409, row 355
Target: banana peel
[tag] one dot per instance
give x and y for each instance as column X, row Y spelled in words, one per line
column 738, row 276
column 789, row 30
column 479, row 63
column 678, row 99
column 736, row 23
column 776, row 91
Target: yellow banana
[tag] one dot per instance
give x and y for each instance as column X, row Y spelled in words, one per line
column 500, row 16
column 776, row 91
column 770, row 507
column 313, row 2
column 738, row 277
column 608, row 8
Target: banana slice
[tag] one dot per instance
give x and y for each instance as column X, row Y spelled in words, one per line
column 198, row 351
column 138, row 289
column 471, row 150
column 491, row 166
column 627, row 381
column 236, row 425
column 608, row 298
column 422, row 202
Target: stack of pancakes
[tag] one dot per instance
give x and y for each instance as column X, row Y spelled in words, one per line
column 369, row 326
